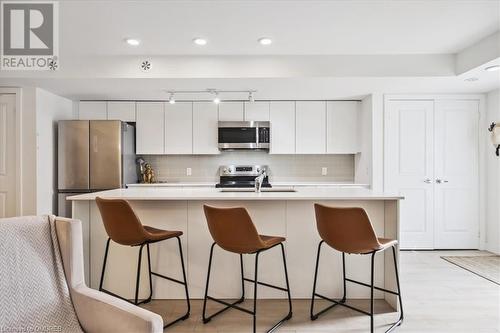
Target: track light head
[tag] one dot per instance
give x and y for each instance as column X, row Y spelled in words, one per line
column 171, row 98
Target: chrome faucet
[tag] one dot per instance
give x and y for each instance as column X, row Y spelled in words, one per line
column 259, row 180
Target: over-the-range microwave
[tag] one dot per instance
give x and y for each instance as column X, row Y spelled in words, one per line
column 235, row 135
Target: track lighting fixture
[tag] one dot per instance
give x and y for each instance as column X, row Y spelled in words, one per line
column 216, row 98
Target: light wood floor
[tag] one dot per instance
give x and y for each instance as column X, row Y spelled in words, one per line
column 437, row 297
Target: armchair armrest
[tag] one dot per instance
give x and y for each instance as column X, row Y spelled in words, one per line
column 97, row 311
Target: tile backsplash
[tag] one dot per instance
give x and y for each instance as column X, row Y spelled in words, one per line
column 303, row 168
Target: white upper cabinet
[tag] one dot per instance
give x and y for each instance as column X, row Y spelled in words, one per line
column 282, row 117
column 92, row 111
column 231, row 111
column 257, row 111
column 124, row 111
column 205, row 130
column 179, row 128
column 342, row 127
column 150, row 128
column 310, row 127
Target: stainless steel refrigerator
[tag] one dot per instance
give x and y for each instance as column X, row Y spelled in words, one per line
column 93, row 155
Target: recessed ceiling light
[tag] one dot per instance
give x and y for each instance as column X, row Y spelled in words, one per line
column 132, row 41
column 265, row 41
column 493, row 68
column 200, row 41
column 471, row 79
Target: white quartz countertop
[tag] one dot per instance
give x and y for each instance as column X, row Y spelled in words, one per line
column 275, row 184
column 203, row 193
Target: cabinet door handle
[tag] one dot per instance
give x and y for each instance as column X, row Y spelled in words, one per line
column 427, row 181
column 441, row 181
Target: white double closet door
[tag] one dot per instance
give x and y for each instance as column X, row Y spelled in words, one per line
column 432, row 158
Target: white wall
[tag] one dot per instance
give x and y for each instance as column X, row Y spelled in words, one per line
column 363, row 172
column 377, row 142
column 40, row 111
column 49, row 109
column 492, row 177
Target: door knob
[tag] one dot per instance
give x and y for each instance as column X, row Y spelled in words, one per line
column 428, row 181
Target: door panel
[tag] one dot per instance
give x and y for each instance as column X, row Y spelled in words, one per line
column 179, row 128
column 205, row 128
column 73, row 155
column 282, row 116
column 310, row 132
column 105, row 154
column 7, row 155
column 409, row 163
column 456, row 171
column 150, row 128
column 257, row 111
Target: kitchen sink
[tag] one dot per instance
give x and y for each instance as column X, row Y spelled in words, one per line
column 265, row 189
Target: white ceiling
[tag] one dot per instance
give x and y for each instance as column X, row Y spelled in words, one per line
column 232, row 27
column 322, row 49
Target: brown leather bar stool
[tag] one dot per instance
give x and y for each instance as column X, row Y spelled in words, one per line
column 124, row 227
column 233, row 230
column 349, row 230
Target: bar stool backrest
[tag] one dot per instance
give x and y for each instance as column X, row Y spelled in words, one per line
column 232, row 229
column 120, row 221
column 346, row 229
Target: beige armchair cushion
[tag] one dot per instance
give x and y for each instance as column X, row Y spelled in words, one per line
column 97, row 311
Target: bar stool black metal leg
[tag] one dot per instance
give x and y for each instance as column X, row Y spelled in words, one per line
column 371, row 292
column 138, row 276
column 289, row 315
column 205, row 319
column 313, row 316
column 242, row 280
column 255, row 292
column 150, row 277
column 104, row 264
column 185, row 281
column 343, row 273
column 400, row 320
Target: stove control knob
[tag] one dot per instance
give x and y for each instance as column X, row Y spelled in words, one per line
column 258, row 169
column 224, row 170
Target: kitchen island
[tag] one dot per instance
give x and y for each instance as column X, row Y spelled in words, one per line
column 288, row 214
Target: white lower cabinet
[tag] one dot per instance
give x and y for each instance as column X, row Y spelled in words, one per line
column 310, row 133
column 150, row 128
column 205, row 130
column 179, row 128
column 282, row 117
column 431, row 158
column 342, row 127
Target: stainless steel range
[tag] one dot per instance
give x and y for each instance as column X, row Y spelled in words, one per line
column 242, row 176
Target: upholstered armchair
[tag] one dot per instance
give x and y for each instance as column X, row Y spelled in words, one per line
column 38, row 296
